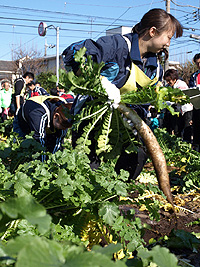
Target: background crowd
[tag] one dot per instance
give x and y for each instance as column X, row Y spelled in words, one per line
column 186, row 125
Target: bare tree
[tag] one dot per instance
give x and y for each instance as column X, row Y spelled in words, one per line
column 28, row 59
column 186, row 69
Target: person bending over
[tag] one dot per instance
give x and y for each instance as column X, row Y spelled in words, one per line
column 47, row 117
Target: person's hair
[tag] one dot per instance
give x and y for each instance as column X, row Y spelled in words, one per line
column 29, row 74
column 166, row 54
column 197, row 56
column 171, row 73
column 153, row 112
column 3, row 83
column 54, row 91
column 37, row 83
column 31, row 83
column 159, row 19
column 63, row 111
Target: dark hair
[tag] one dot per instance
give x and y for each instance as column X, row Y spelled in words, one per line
column 37, row 82
column 3, row 82
column 153, row 112
column 160, row 19
column 29, row 74
column 197, row 56
column 166, row 53
column 64, row 112
column 172, row 73
column 54, row 91
column 31, row 83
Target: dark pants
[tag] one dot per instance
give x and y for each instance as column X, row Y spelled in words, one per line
column 187, row 128
column 16, row 127
column 133, row 162
column 196, row 126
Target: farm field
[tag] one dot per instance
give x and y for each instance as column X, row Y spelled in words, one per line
column 60, row 212
column 53, row 211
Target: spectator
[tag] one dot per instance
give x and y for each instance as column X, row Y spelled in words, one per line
column 131, row 62
column 195, row 77
column 68, row 97
column 154, row 123
column 5, row 100
column 60, row 90
column 20, row 91
column 54, row 91
column 38, row 84
column 35, row 90
column 195, row 82
column 47, row 116
column 184, row 121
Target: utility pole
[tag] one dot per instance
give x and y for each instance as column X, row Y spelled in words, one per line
column 42, row 29
column 166, row 67
column 57, row 54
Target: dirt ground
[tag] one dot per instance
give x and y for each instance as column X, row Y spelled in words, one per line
column 188, row 212
column 169, row 221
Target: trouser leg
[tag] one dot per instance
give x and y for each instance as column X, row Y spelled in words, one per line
column 133, row 163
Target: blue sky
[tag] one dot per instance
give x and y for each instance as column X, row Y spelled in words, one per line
column 78, row 19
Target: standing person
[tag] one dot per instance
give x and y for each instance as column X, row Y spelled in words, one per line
column 68, row 97
column 47, row 116
column 35, row 90
column 5, row 100
column 38, row 84
column 184, row 121
column 154, row 123
column 195, row 82
column 131, row 62
column 20, row 89
column 195, row 77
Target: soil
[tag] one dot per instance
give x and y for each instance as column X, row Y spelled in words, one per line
column 182, row 219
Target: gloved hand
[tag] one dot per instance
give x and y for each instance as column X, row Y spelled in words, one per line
column 112, row 91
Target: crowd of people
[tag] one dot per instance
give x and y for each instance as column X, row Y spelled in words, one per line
column 131, row 62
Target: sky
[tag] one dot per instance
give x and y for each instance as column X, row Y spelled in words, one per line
column 78, row 20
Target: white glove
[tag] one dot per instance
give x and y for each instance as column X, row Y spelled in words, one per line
column 112, row 91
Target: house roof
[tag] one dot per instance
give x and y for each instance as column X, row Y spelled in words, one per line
column 6, row 65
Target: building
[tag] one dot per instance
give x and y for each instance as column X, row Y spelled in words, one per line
column 7, row 70
column 49, row 63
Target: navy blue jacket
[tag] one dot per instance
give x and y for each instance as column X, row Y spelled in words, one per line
column 36, row 119
column 113, row 51
column 192, row 81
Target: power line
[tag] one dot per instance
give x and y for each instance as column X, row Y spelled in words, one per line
column 53, row 21
column 62, row 29
column 82, row 4
column 114, row 21
column 19, row 46
column 182, row 5
column 56, row 12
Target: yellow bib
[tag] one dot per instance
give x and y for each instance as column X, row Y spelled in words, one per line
column 136, row 76
column 40, row 100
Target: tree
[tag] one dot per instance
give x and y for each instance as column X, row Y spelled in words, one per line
column 43, row 79
column 28, row 59
column 186, row 70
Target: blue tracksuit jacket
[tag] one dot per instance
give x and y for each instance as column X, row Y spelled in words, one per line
column 113, row 51
column 36, row 119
